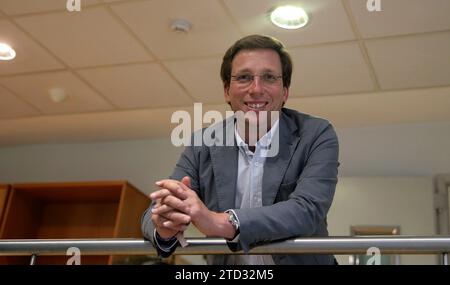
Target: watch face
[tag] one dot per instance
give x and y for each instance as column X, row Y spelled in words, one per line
column 233, row 220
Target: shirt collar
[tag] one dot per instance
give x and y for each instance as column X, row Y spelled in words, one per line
column 262, row 142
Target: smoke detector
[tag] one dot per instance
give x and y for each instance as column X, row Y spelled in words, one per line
column 57, row 94
column 181, row 26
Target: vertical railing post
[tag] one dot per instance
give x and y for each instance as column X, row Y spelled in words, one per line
column 445, row 258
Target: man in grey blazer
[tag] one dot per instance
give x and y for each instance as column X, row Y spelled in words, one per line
column 241, row 191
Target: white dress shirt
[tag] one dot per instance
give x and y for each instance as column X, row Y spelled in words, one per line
column 249, row 185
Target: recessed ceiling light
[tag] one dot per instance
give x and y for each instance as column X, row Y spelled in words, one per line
column 6, row 52
column 289, row 17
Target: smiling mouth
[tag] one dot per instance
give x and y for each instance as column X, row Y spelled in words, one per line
column 256, row 106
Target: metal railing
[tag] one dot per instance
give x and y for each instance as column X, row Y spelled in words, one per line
column 205, row 246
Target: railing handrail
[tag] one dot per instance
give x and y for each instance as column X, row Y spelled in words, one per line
column 200, row 246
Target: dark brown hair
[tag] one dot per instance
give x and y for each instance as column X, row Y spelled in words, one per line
column 257, row 42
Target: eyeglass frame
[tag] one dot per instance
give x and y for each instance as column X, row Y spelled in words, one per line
column 252, row 78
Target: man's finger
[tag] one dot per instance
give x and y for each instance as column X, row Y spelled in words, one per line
column 175, row 187
column 169, row 184
column 158, row 220
column 160, row 194
column 176, row 204
column 163, row 223
column 161, row 209
column 186, row 181
column 176, row 218
column 172, row 225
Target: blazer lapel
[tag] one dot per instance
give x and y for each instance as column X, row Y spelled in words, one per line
column 225, row 165
column 276, row 166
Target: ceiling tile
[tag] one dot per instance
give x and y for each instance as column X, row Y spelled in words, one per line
column 13, row 107
column 408, row 62
column 330, row 69
column 137, row 86
column 91, row 37
column 17, row 7
column 29, row 55
column 201, row 77
column 401, row 17
column 34, row 89
column 212, row 31
column 328, row 21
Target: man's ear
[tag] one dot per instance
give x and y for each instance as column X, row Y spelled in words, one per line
column 226, row 93
column 285, row 93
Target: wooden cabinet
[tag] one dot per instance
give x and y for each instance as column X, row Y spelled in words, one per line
column 4, row 190
column 72, row 210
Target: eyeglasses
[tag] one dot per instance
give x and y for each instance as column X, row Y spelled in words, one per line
column 246, row 79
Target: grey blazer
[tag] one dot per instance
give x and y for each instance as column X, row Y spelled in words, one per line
column 298, row 185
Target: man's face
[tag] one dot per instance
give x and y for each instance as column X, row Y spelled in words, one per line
column 259, row 94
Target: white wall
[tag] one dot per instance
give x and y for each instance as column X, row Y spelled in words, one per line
column 392, row 201
column 396, row 150
column 140, row 162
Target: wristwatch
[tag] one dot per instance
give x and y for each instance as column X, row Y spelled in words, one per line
column 233, row 221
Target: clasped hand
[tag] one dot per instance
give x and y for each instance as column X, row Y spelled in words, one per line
column 176, row 206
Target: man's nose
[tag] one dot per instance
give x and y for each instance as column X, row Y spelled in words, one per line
column 256, row 85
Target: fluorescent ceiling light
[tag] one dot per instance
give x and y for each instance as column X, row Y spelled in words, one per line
column 6, row 52
column 289, row 17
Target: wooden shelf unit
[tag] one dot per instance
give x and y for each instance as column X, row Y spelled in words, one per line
column 4, row 191
column 72, row 210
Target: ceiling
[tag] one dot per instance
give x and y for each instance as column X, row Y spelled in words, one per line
column 125, row 71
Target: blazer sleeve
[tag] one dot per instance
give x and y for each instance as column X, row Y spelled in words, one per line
column 163, row 248
column 304, row 212
column 184, row 167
